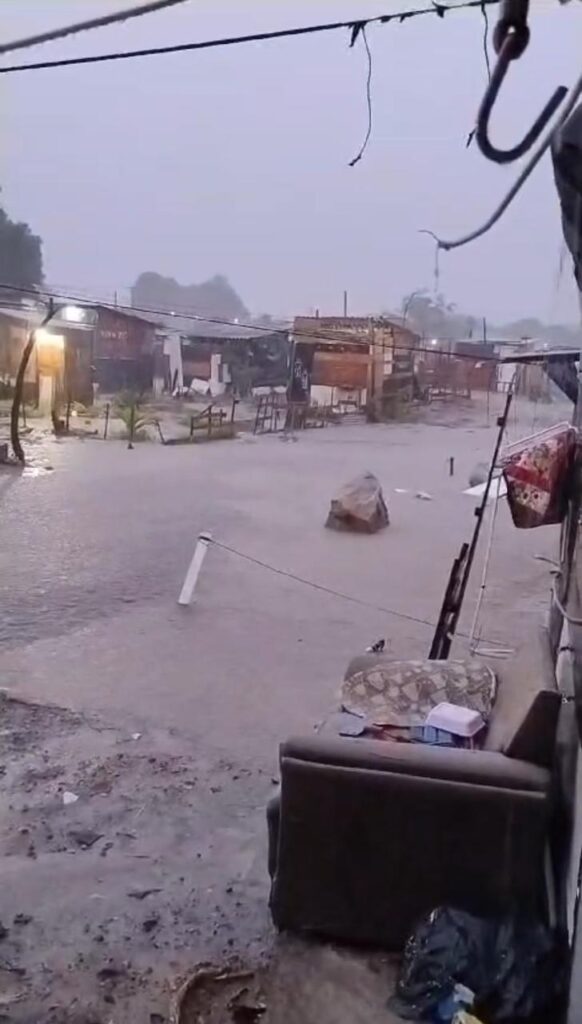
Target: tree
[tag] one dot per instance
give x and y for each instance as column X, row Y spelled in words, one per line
column 20, row 254
column 213, row 298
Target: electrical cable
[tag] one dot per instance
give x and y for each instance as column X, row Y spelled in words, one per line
column 437, row 9
column 486, row 41
column 326, row 590
column 224, row 322
column 85, row 26
column 471, row 134
column 569, row 104
column 361, row 30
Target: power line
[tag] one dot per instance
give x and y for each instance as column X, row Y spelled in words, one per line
column 86, row 26
column 437, row 9
column 360, row 29
column 257, row 328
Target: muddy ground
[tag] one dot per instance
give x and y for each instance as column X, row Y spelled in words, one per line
column 115, row 901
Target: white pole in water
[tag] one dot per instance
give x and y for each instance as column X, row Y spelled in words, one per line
column 202, row 545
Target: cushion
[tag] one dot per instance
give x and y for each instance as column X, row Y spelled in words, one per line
column 401, row 693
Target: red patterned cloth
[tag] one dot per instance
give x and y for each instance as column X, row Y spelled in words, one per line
column 537, row 478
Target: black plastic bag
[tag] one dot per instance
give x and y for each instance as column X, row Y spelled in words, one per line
column 512, row 967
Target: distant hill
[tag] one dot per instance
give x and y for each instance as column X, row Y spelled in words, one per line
column 213, row 298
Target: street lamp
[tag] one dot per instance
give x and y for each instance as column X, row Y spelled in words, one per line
column 73, row 314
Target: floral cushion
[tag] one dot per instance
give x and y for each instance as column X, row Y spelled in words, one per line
column 401, row 693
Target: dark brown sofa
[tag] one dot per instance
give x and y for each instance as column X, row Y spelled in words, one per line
column 366, row 836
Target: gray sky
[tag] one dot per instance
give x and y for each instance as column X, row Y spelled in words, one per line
column 236, row 160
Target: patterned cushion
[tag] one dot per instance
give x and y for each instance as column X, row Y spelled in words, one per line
column 401, row 693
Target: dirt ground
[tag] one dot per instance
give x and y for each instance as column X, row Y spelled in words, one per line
column 165, row 721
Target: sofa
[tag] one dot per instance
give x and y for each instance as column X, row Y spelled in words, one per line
column 366, row 836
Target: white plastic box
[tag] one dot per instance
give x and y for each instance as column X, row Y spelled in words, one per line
column 456, row 720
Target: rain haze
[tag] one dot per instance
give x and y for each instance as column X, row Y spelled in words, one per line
column 236, row 161
column 244, row 524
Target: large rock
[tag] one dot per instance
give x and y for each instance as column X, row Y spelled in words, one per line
column 359, row 506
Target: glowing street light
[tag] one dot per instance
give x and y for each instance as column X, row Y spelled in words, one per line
column 73, row 314
column 44, row 339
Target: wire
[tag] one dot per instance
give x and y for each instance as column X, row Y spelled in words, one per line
column 471, row 134
column 328, row 590
column 86, row 26
column 361, row 29
column 569, row 104
column 286, row 33
column 486, row 41
column 223, row 322
column 321, row 587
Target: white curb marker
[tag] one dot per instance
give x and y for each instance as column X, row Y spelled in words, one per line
column 203, row 543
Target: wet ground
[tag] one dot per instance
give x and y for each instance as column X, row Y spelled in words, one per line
column 93, row 552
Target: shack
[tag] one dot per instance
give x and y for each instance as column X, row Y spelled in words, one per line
column 60, row 365
column 352, row 361
column 237, row 363
column 123, row 350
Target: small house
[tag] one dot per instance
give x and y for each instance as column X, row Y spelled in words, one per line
column 343, row 361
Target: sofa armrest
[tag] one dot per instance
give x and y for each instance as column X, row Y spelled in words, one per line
column 475, row 767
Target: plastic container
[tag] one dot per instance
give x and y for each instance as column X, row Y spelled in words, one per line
column 457, row 720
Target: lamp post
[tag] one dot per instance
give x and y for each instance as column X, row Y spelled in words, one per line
column 71, row 313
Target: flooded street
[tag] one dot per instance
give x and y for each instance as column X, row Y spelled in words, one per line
column 171, row 717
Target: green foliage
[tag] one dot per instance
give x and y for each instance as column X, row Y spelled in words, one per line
column 127, row 404
column 20, row 254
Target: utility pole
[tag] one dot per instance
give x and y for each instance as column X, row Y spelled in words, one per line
column 345, row 304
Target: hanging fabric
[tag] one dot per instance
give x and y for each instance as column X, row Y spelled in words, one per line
column 537, row 472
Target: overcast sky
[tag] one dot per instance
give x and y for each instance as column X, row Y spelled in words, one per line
column 235, row 161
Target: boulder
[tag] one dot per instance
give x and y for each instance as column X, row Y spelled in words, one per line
column 359, row 506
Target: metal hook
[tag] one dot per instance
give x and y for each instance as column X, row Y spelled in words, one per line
column 512, row 46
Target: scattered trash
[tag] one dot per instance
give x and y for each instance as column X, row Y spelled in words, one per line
column 460, row 999
column 85, row 838
column 423, row 496
column 136, row 735
column 401, row 490
column 215, row 994
column 141, row 894
column 69, row 798
column 111, row 972
column 10, row 968
column 22, row 919
column 497, row 490
column 513, row 967
column 245, row 1010
column 376, row 648
column 359, row 506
